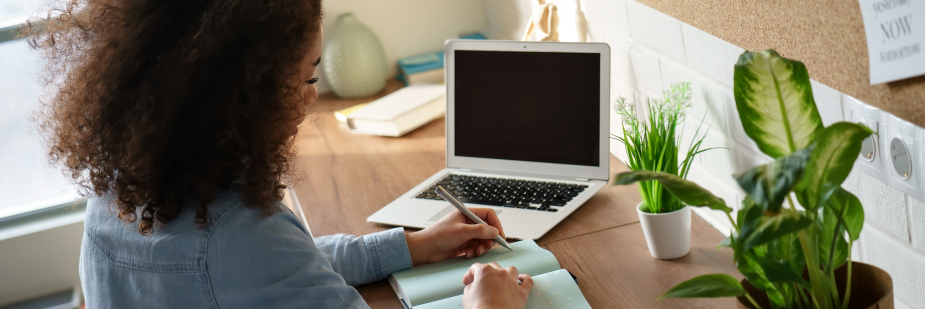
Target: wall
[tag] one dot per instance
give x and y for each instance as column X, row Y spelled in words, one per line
column 409, row 27
column 651, row 50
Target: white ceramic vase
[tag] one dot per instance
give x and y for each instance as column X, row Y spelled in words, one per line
column 353, row 59
column 668, row 235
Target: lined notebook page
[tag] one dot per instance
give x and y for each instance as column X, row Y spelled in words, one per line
column 432, row 282
column 554, row 290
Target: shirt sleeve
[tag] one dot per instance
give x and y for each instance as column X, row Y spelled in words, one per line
column 367, row 258
column 255, row 261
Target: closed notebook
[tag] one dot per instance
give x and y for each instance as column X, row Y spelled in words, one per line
column 400, row 112
column 439, row 285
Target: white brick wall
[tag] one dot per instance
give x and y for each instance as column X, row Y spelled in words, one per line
column 651, row 50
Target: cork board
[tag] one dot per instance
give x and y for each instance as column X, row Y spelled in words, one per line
column 826, row 35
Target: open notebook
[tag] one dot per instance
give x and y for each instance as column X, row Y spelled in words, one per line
column 439, row 285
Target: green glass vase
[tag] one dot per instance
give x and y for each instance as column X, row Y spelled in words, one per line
column 353, row 59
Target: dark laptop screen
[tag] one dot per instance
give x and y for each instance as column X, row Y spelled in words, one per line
column 528, row 106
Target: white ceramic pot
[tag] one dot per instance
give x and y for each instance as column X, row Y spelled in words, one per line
column 668, row 234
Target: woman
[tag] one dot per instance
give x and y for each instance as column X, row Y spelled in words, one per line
column 177, row 118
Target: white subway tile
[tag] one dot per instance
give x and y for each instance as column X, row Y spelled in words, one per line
column 746, row 158
column 734, row 124
column 706, row 96
column 621, row 66
column 917, row 223
column 828, row 102
column 884, row 207
column 710, row 55
column 899, row 304
column 905, row 266
column 608, row 14
column 597, row 34
column 720, row 161
column 655, row 29
column 647, row 70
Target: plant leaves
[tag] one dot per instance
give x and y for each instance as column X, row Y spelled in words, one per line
column 850, row 206
column 779, row 271
column 837, row 148
column 775, row 102
column 832, row 231
column 755, row 274
column 775, row 227
column 688, row 192
column 768, row 185
column 712, row 285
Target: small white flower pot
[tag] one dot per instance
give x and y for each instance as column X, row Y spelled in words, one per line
column 668, row 234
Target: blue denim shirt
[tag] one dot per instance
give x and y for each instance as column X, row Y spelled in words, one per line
column 242, row 259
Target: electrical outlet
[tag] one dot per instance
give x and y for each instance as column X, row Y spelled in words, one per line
column 871, row 160
column 901, row 154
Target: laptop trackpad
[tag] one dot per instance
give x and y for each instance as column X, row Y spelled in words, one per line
column 449, row 209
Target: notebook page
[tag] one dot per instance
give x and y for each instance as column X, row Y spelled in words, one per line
column 431, row 282
column 553, row 290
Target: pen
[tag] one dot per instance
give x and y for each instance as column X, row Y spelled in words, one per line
column 446, row 195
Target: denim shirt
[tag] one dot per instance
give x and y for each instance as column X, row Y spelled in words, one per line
column 242, row 259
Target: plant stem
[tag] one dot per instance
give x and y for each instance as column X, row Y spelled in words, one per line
column 812, row 266
column 801, row 298
column 844, row 304
column 733, row 222
column 754, row 303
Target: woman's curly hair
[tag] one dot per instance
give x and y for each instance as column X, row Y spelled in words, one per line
column 155, row 102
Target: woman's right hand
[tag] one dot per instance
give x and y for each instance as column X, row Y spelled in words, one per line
column 490, row 287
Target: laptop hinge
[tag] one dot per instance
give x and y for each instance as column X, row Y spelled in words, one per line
column 582, row 179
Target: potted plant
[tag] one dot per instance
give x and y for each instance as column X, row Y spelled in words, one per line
column 655, row 145
column 792, row 255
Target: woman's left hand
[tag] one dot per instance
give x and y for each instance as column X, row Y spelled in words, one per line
column 454, row 235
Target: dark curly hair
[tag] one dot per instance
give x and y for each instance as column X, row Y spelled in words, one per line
column 155, row 102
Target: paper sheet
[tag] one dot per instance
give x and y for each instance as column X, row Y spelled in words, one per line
column 432, row 282
column 554, row 290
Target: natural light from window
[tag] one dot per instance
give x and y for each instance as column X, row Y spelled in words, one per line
column 27, row 182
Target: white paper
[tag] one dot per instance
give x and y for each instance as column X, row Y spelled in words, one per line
column 895, row 38
column 399, row 102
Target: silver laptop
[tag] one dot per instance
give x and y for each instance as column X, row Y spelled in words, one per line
column 527, row 134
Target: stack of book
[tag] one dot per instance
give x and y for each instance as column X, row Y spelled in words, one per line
column 397, row 113
column 426, row 68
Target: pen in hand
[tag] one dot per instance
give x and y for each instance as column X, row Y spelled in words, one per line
column 446, row 195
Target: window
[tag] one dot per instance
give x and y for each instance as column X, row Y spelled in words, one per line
column 27, row 182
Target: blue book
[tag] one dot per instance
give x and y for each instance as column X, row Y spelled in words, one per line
column 426, row 68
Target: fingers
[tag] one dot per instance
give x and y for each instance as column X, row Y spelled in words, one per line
column 526, row 282
column 479, row 231
column 469, row 277
column 488, row 215
column 478, row 270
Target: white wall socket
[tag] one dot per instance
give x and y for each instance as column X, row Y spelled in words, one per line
column 900, row 153
column 871, row 160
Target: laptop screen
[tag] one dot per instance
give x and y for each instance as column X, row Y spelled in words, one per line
column 528, row 106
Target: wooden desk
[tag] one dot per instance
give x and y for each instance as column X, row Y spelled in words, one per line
column 345, row 178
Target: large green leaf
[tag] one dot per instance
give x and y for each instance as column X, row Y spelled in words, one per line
column 833, row 230
column 779, row 271
column 849, row 206
column 688, row 192
column 747, row 264
column 772, row 228
column 712, row 285
column 775, row 102
column 837, row 148
column 768, row 185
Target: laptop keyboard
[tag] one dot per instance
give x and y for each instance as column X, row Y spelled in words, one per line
column 507, row 192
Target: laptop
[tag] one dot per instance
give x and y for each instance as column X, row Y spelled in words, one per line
column 527, row 134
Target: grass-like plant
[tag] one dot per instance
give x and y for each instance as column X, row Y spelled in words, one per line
column 655, row 144
column 775, row 242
